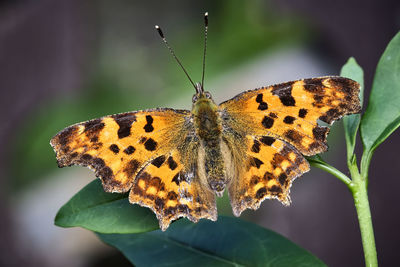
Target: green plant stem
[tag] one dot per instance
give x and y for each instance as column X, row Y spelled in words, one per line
column 365, row 161
column 358, row 188
column 360, row 195
column 332, row 170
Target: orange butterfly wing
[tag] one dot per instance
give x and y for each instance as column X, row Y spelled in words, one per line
column 286, row 113
column 150, row 152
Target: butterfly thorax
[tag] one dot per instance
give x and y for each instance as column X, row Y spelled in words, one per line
column 206, row 120
column 209, row 130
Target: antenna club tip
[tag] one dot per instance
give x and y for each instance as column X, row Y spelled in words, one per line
column 206, row 19
column 159, row 31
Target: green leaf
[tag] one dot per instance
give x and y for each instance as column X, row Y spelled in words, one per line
column 382, row 116
column 102, row 212
column 227, row 242
column 351, row 123
column 317, row 159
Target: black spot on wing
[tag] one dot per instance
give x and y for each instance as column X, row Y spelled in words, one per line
column 132, row 167
column 317, row 100
column 171, row 163
column 267, row 140
column 302, row 113
column 256, row 147
column 259, row 98
column 262, row 105
column 343, row 84
column 93, row 126
column 150, row 144
column 287, row 100
column 124, row 122
column 289, row 119
column 273, row 115
column 267, row 122
column 129, row 150
column 155, row 182
column 254, row 180
column 64, row 136
column 268, row 176
column 284, row 92
column 320, row 133
column 293, row 135
column 256, row 162
column 149, row 127
column 282, row 178
column 261, row 192
column 94, row 139
column 275, row 189
column 98, row 163
column 172, row 195
column 158, row 161
column 159, row 203
column 176, row 179
column 314, row 85
column 114, row 148
column 331, row 115
column 106, row 174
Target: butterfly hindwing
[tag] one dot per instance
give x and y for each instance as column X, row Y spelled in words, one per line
column 290, row 111
column 269, row 167
column 172, row 190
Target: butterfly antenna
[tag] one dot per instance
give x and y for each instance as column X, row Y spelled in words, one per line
column 173, row 54
column 205, row 46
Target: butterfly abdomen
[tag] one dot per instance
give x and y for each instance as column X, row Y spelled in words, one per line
column 209, row 130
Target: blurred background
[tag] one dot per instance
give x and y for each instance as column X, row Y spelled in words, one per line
column 66, row 61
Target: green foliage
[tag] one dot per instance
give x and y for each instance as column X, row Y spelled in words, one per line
column 227, row 242
column 93, row 209
column 382, row 116
column 130, row 229
column 351, row 123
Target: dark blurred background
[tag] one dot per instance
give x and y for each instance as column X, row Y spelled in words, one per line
column 67, row 61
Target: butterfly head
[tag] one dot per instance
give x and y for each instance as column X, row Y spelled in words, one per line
column 201, row 95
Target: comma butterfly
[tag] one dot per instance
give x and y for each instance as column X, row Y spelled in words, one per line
column 176, row 161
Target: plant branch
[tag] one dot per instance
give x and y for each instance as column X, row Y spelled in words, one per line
column 361, row 202
column 332, row 170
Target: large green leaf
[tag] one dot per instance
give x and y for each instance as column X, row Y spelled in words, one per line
column 226, row 242
column 382, row 116
column 96, row 210
column 351, row 123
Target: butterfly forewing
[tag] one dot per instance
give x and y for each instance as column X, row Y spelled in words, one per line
column 290, row 111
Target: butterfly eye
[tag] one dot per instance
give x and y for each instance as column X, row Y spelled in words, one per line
column 195, row 98
column 208, row 95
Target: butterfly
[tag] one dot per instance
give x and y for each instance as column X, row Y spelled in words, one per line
column 176, row 162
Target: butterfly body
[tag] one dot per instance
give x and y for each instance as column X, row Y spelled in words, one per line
column 208, row 125
column 176, row 161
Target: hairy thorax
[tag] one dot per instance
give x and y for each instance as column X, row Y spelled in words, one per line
column 212, row 154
